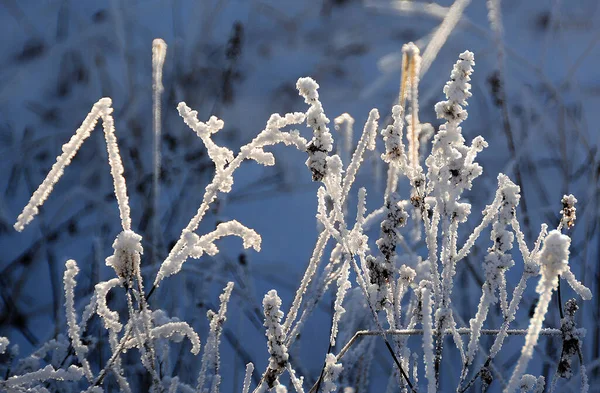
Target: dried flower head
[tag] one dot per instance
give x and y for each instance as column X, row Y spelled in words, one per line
column 568, row 211
column 126, row 258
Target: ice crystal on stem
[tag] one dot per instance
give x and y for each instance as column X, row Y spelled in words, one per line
column 74, row 329
column 392, row 137
column 275, row 338
column 247, row 377
column 101, row 109
column 410, row 288
column 126, row 258
column 496, row 262
column 381, row 268
column 457, row 90
column 451, row 163
column 3, row 344
column 427, row 324
column 413, row 60
column 23, row 383
column 571, row 342
column 211, row 351
column 568, row 211
column 395, row 219
column 333, row 369
column 344, row 285
column 175, row 331
column 554, row 258
column 322, row 142
column 225, row 165
column 344, row 125
column 528, row 382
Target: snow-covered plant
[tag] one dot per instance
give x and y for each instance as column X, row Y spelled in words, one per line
column 278, row 360
column 331, row 373
column 571, row 345
column 387, row 286
column 3, row 344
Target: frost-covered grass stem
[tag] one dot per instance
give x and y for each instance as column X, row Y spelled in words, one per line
column 159, row 52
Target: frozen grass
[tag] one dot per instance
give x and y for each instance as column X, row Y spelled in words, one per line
column 402, row 299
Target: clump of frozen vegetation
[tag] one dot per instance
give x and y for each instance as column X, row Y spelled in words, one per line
column 407, row 293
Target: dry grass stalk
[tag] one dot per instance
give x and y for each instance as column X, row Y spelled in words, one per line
column 409, row 89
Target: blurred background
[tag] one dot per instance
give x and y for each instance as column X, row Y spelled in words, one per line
column 536, row 100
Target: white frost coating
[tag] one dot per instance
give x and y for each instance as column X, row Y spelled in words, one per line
column 497, row 262
column 406, row 275
column 69, row 150
column 540, row 384
column 317, row 293
column 3, row 344
column 477, row 322
column 361, row 208
column 395, row 219
column 577, row 286
column 296, row 382
column 73, row 373
column 554, row 258
column 457, row 90
column 116, row 166
column 438, row 200
column 381, row 269
column 196, row 245
column 344, row 284
column 248, row 377
column 323, row 217
column 172, row 330
column 211, row 349
column 231, row 228
column 262, row 157
column 538, row 243
column 331, row 373
column 126, row 257
column 174, row 385
column 585, row 385
column 159, row 53
column 531, row 269
column 347, row 135
column 333, row 183
column 415, row 373
column 414, row 127
column 367, row 141
column 568, row 212
column 109, row 318
column 281, row 389
column 451, row 17
column 533, row 332
column 310, row 271
column 272, row 133
column 101, row 109
column 223, row 178
column 511, row 314
column 275, row 339
column 489, row 214
column 221, row 156
column 322, row 142
column 528, row 382
column 392, row 137
column 74, row 330
column 451, row 170
column 428, row 335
